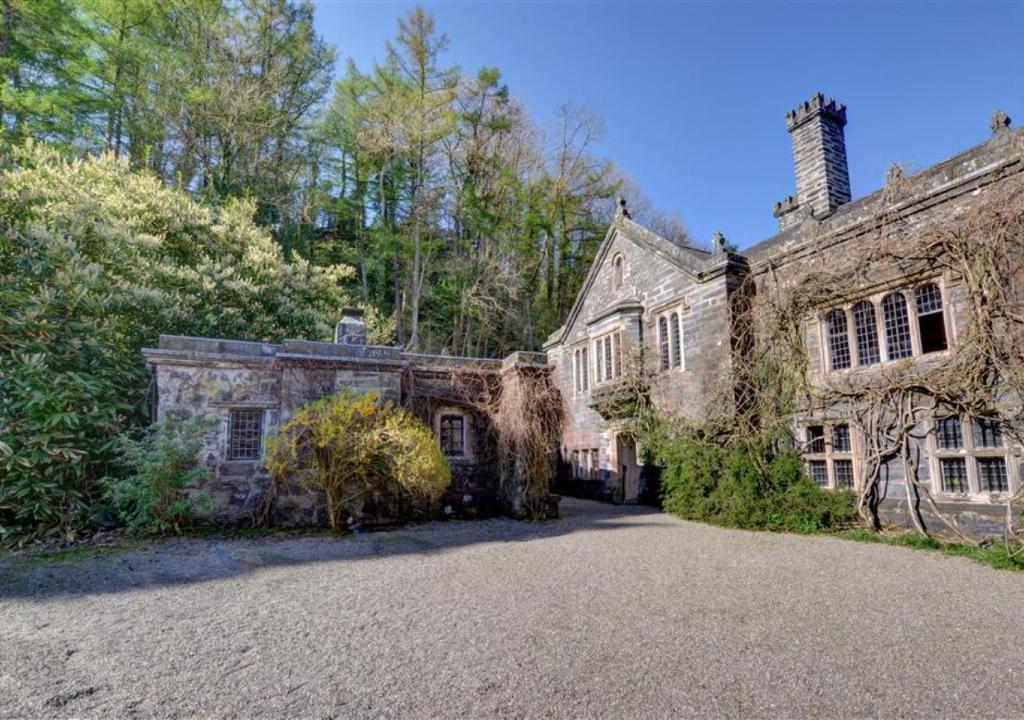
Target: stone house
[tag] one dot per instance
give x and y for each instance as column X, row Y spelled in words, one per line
column 246, row 389
column 674, row 303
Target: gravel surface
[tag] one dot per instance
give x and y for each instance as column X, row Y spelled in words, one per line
column 609, row 612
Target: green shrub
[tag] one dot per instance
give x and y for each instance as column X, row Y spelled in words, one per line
column 745, row 484
column 96, row 261
column 150, row 500
column 355, row 449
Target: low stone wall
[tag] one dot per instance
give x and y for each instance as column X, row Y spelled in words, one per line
column 975, row 518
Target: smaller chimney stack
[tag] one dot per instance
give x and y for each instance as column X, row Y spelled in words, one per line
column 819, row 158
column 351, row 330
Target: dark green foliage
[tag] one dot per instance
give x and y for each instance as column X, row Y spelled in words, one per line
column 95, row 262
column 996, row 555
column 162, row 463
column 746, row 484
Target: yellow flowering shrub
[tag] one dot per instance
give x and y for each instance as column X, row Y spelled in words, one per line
column 355, row 448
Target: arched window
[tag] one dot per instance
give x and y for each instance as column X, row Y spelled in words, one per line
column 897, row 326
column 619, row 267
column 677, row 355
column 866, row 332
column 663, row 341
column 838, row 340
column 930, row 320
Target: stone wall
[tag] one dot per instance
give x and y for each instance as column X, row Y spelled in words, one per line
column 203, row 377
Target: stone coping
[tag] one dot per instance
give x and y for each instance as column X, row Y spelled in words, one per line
column 199, row 350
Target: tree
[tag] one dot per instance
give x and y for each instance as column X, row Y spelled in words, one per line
column 97, row 261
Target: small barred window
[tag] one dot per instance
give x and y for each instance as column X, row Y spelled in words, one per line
column 838, row 340
column 245, row 434
column 453, row 440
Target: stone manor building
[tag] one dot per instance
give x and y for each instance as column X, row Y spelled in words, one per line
column 669, row 304
column 674, row 302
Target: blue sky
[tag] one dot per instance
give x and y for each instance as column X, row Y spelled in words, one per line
column 694, row 94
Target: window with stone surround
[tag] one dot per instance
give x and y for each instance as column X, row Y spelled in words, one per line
column 886, row 327
column 453, row 434
column 671, row 350
column 663, row 342
column 453, row 427
column 838, row 340
column 619, row 270
column 245, row 434
column 580, row 370
column 865, row 329
column 608, row 355
column 931, row 323
column 898, row 342
column 828, row 451
column 969, row 457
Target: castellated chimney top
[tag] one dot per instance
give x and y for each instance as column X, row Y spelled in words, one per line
column 819, row 160
column 818, row 105
column 351, row 330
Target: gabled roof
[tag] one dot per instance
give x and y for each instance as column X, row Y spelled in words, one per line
column 688, row 260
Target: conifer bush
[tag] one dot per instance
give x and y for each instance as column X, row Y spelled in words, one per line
column 355, row 449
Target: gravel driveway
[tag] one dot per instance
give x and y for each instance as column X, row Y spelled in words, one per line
column 609, row 612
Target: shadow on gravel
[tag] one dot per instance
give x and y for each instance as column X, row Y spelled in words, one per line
column 182, row 561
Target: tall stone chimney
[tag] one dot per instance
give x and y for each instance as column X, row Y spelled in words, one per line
column 351, row 330
column 819, row 157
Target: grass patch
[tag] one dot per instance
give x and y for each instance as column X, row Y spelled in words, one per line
column 995, row 556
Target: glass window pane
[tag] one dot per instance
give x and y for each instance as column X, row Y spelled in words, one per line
column 452, row 435
column 677, row 358
column 838, row 340
column 663, row 341
column 818, row 472
column 617, row 354
column 816, row 439
column 929, row 299
column 986, row 433
column 954, row 475
column 948, row 433
column 866, row 331
column 843, row 470
column 992, row 475
column 897, row 326
column 841, row 438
